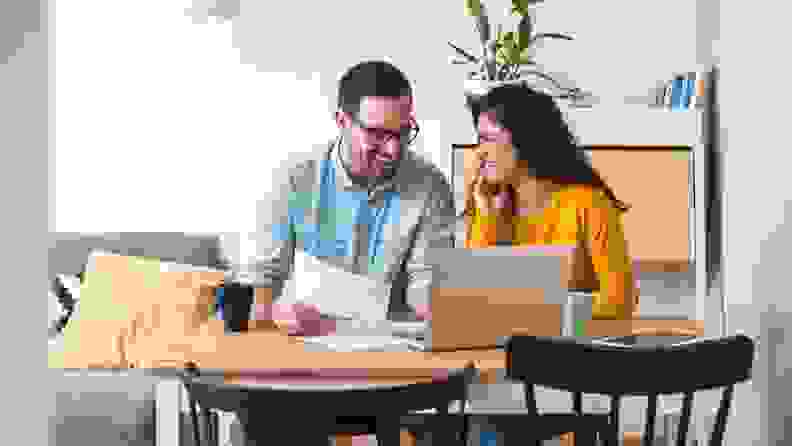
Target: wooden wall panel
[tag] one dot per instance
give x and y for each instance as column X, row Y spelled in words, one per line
column 655, row 181
column 657, row 185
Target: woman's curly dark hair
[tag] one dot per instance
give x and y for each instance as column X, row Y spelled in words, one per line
column 540, row 135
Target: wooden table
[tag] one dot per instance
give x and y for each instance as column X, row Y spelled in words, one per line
column 264, row 347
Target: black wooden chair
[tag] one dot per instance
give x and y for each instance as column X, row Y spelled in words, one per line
column 614, row 368
column 279, row 409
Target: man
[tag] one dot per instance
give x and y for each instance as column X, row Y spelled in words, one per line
column 363, row 203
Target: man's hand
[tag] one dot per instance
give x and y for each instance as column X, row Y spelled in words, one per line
column 296, row 319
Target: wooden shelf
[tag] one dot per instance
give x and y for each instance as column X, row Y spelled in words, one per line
column 625, row 124
column 645, row 327
column 663, row 266
column 644, row 147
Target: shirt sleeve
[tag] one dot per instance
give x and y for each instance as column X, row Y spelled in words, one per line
column 610, row 259
column 436, row 230
column 262, row 256
column 482, row 232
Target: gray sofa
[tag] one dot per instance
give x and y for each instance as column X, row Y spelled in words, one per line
column 115, row 407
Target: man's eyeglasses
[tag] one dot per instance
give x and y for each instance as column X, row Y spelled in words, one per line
column 405, row 135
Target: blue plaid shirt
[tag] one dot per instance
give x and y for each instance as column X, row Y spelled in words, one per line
column 381, row 232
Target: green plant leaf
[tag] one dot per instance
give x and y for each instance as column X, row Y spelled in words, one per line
column 544, row 76
column 482, row 24
column 525, row 59
column 513, row 51
column 463, row 53
column 508, row 49
column 490, row 64
column 502, row 40
column 549, row 36
column 501, row 57
column 498, row 34
column 472, row 8
column 524, row 32
column 520, row 7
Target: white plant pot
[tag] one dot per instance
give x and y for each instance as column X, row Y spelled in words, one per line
column 478, row 87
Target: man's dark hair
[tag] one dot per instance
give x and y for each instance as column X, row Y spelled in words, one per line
column 370, row 78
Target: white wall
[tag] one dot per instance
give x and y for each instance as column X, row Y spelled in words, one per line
column 159, row 125
column 23, row 194
column 758, row 211
column 161, row 122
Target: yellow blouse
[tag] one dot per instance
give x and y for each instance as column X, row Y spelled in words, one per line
column 585, row 217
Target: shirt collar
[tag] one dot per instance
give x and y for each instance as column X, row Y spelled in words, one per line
column 345, row 180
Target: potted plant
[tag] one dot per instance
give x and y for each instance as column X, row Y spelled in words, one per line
column 505, row 57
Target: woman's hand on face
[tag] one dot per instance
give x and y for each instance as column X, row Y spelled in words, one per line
column 423, row 312
column 489, row 198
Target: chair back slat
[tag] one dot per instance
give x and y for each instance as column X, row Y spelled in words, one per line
column 684, row 422
column 651, row 417
column 617, row 369
column 386, row 403
column 716, row 439
column 577, row 402
column 195, row 423
column 632, row 370
column 615, row 408
column 530, row 400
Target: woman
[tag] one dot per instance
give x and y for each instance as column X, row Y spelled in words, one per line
column 532, row 185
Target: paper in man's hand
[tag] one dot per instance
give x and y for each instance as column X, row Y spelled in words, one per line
column 335, row 292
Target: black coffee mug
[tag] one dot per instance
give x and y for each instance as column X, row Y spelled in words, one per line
column 237, row 302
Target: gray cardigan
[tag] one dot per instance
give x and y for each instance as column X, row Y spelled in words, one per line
column 426, row 218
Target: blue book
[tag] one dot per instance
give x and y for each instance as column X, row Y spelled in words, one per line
column 677, row 92
column 683, row 97
column 691, row 90
column 488, row 439
column 219, row 294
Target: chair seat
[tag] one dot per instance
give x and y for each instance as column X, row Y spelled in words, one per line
column 547, row 426
column 519, row 425
column 351, row 425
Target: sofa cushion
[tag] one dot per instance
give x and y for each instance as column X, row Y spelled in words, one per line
column 103, row 408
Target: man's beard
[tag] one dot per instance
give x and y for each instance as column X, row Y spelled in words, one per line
column 347, row 154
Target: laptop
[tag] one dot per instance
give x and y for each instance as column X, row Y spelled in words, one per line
column 480, row 297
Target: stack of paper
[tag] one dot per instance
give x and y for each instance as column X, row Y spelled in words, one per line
column 342, row 343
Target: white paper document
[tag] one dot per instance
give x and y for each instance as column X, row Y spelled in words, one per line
column 336, row 292
column 340, row 343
